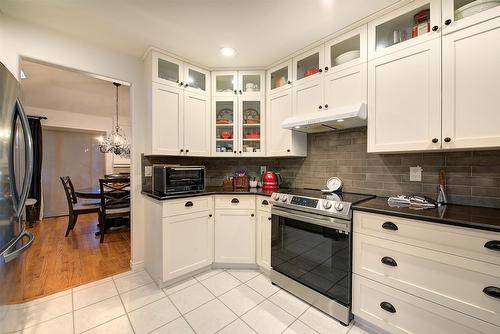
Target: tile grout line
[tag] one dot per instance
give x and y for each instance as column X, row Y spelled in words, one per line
column 181, row 316
column 73, row 311
column 123, row 305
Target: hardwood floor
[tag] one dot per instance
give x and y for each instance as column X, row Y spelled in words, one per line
column 55, row 263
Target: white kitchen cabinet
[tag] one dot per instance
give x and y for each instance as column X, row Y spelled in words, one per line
column 404, row 99
column 460, row 14
column 196, row 80
column 471, row 81
column 225, row 83
column 279, row 77
column 238, row 83
column 180, row 122
column 167, row 119
column 264, row 239
column 234, row 236
column 308, row 66
column 188, row 243
column 282, row 142
column 238, row 126
column 397, row 30
column 345, row 87
column 308, row 97
column 347, row 50
column 251, row 83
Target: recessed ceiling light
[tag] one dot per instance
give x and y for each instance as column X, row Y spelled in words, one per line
column 23, row 74
column 227, row 52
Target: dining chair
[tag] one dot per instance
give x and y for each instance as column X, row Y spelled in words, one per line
column 115, row 201
column 76, row 207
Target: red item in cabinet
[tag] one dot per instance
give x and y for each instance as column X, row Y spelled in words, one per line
column 421, row 23
column 226, row 134
column 310, row 71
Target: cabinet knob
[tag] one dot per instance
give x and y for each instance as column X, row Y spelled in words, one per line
column 326, row 106
column 187, row 151
column 288, row 150
column 493, row 245
column 265, row 202
column 320, row 70
column 492, row 291
column 210, row 215
column 386, row 306
column 186, row 85
column 235, row 92
column 390, row 226
column 181, row 83
column 188, row 204
column 389, row 261
column 240, row 91
column 447, row 22
column 435, row 28
column 252, row 215
column 320, row 107
column 182, row 150
column 235, row 152
column 289, row 82
column 435, row 140
column 239, row 152
column 326, row 68
column 269, row 218
column 447, row 139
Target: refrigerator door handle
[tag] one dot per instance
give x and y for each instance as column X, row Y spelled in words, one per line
column 11, row 255
column 28, row 171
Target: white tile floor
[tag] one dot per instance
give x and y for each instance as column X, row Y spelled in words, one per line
column 218, row 301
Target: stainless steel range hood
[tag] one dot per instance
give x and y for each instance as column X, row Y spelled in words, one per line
column 352, row 116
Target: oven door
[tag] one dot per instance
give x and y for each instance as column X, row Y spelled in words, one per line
column 313, row 250
column 179, row 179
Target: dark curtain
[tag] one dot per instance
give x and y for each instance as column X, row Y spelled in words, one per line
column 36, row 183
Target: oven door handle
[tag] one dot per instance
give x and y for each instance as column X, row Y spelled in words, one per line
column 330, row 223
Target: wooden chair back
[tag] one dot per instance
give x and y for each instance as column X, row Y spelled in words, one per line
column 115, row 194
column 69, row 190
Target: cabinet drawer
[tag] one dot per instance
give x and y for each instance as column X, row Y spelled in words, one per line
column 466, row 242
column 235, row 202
column 263, row 203
column 449, row 280
column 187, row 205
column 410, row 314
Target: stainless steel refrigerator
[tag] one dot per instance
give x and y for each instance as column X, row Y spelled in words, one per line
column 16, row 168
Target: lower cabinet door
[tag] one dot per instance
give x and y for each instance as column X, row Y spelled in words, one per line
column 235, row 236
column 398, row 312
column 264, row 239
column 188, row 243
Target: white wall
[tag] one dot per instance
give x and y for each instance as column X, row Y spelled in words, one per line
column 21, row 39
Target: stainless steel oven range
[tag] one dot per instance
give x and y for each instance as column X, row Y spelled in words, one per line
column 311, row 247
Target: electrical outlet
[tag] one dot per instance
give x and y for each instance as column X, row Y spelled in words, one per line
column 263, row 169
column 416, row 174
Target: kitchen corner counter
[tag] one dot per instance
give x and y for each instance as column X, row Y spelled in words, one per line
column 210, row 191
column 458, row 215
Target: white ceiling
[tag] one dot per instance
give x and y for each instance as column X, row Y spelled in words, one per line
column 49, row 87
column 261, row 31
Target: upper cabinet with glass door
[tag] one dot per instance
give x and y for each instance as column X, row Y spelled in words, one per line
column 308, row 66
column 346, row 50
column 407, row 26
column 225, row 83
column 251, row 83
column 279, row 77
column 459, row 14
column 196, row 80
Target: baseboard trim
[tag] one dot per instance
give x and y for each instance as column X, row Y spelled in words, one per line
column 136, row 265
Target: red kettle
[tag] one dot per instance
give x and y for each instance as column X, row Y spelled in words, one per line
column 271, row 181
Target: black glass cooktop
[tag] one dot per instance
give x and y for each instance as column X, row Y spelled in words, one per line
column 316, row 193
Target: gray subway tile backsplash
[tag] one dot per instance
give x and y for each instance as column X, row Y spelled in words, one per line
column 473, row 177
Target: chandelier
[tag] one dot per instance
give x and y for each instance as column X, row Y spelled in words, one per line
column 116, row 141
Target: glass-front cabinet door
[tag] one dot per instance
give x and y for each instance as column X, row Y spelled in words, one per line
column 407, row 26
column 167, row 70
column 225, row 129
column 346, row 50
column 225, row 83
column 279, row 77
column 251, row 119
column 458, row 14
column 251, row 83
column 308, row 66
column 197, row 80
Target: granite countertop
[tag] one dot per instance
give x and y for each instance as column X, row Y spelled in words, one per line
column 211, row 191
column 458, row 215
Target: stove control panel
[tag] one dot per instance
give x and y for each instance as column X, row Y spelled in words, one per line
column 304, row 201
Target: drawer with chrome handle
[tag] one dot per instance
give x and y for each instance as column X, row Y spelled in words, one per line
column 187, row 205
column 235, row 202
column 466, row 242
column 459, row 283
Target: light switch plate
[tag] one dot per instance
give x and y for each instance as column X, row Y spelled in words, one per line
column 263, row 169
column 148, row 171
column 416, row 174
